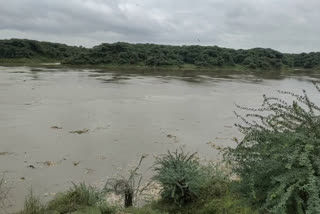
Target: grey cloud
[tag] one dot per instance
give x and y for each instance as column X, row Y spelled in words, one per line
column 285, row 25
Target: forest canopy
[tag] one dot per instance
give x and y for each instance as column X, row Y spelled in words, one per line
column 154, row 55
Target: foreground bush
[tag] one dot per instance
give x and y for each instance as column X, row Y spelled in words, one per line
column 190, row 187
column 79, row 199
column 278, row 161
column 144, row 210
column 226, row 205
column 180, row 176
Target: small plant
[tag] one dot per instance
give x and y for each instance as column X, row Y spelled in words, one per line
column 33, row 205
column 278, row 160
column 180, row 175
column 129, row 188
column 78, row 197
column 226, row 205
column 4, row 192
column 217, row 182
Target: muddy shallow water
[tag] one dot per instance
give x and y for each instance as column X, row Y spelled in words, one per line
column 121, row 116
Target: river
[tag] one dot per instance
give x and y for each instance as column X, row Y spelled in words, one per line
column 122, row 114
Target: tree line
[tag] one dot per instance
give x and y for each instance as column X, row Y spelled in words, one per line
column 154, row 55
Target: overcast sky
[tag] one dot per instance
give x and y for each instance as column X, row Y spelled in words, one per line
column 285, row 25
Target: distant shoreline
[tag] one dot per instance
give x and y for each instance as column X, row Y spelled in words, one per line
column 144, row 68
column 146, row 57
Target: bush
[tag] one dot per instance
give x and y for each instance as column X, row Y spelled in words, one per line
column 217, row 183
column 144, row 210
column 278, row 160
column 226, row 205
column 218, row 195
column 181, row 177
column 80, row 197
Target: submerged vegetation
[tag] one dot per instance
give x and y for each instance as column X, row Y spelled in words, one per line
column 152, row 55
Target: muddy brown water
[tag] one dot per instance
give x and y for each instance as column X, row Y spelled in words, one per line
column 59, row 126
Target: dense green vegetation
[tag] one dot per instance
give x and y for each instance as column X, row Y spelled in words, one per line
column 182, row 177
column 34, row 50
column 191, row 187
column 278, row 160
column 152, row 55
column 165, row 55
column 78, row 199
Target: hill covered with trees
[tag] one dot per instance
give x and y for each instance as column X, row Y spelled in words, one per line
column 154, row 55
column 31, row 49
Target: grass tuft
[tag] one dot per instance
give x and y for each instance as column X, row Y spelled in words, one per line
column 33, row 205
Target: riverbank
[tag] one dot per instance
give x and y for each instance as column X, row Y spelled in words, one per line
column 206, row 188
column 43, row 62
column 177, row 70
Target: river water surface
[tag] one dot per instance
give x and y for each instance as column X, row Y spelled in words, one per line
column 124, row 116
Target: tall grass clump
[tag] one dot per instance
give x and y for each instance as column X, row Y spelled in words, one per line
column 33, row 205
column 180, row 175
column 80, row 197
column 278, row 161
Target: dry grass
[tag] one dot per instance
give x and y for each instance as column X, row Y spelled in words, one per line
column 4, row 194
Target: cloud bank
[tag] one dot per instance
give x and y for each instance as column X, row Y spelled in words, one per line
column 285, row 25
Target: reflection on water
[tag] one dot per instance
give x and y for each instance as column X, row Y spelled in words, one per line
column 62, row 121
